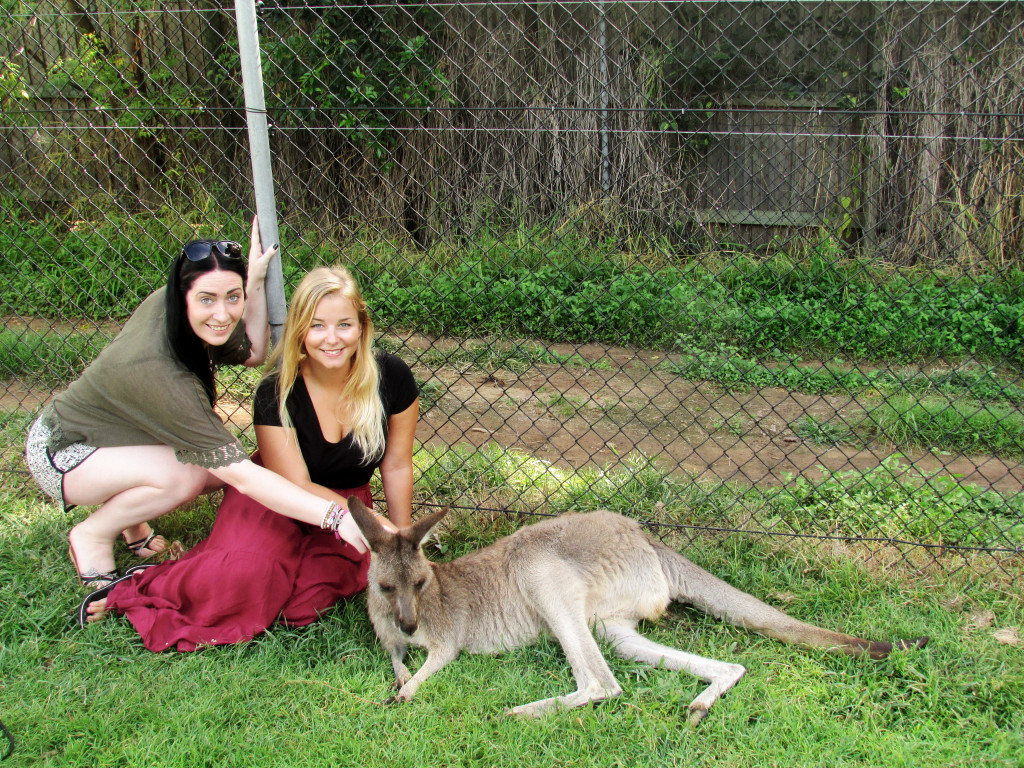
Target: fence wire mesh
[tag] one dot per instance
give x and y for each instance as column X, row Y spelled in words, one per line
column 728, row 266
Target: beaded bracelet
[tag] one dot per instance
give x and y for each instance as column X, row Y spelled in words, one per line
column 332, row 517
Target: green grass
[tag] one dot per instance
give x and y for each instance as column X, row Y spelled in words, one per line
column 933, row 423
column 970, row 409
column 313, row 696
column 895, row 502
column 554, row 286
column 891, row 502
column 50, row 357
column 728, row 366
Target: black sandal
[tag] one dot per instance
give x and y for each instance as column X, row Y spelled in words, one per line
column 92, row 597
column 92, row 577
column 137, row 546
column 133, row 569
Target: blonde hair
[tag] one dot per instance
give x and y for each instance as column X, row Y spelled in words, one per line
column 360, row 399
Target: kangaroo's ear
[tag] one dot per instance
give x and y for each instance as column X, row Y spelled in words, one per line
column 375, row 533
column 419, row 530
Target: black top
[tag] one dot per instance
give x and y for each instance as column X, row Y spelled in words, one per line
column 335, row 465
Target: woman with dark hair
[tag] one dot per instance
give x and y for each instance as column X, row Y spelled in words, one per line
column 137, row 435
column 331, row 412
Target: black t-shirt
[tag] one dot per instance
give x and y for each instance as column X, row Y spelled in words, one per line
column 335, row 465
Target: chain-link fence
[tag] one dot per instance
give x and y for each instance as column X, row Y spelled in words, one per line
column 734, row 266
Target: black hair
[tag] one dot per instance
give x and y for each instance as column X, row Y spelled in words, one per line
column 185, row 345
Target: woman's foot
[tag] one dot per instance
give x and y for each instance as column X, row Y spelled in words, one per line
column 143, row 541
column 95, row 610
column 93, row 560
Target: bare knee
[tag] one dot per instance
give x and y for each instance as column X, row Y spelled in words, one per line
column 183, row 482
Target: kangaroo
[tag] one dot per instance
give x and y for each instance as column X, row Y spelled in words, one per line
column 565, row 576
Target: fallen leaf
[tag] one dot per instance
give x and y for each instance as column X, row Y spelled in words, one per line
column 981, row 619
column 783, row 597
column 1007, row 636
column 954, row 603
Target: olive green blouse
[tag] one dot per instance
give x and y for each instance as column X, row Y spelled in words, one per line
column 136, row 392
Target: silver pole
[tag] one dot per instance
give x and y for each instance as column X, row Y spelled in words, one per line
column 606, row 172
column 259, row 152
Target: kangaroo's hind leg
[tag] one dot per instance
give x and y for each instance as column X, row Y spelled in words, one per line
column 564, row 615
column 630, row 644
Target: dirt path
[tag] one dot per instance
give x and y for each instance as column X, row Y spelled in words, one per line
column 620, row 401
column 615, row 401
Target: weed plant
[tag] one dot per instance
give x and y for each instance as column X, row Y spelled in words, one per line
column 970, row 409
column 313, row 696
column 931, row 423
column 49, row 357
column 892, row 502
column 555, row 287
column 728, row 365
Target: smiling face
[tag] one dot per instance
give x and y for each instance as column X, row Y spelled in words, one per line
column 215, row 303
column 334, row 333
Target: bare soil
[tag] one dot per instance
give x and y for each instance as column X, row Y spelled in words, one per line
column 621, row 401
column 617, row 401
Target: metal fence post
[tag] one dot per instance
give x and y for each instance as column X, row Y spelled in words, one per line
column 259, row 150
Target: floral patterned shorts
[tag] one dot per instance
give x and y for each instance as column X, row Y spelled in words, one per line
column 49, row 469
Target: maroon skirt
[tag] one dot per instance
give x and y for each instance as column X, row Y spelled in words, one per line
column 255, row 568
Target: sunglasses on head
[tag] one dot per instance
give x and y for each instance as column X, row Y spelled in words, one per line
column 203, row 249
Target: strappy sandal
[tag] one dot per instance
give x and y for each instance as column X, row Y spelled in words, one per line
column 141, row 547
column 92, row 597
column 138, row 568
column 92, row 578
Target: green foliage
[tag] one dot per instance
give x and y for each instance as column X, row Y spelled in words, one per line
column 823, row 432
column 13, row 91
column 528, row 286
column 831, row 306
column 726, row 365
column 50, row 357
column 362, row 70
column 966, row 426
column 97, row 270
column 114, row 85
column 892, row 501
column 895, row 502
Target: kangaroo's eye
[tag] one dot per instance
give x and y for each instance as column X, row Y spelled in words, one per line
column 419, row 584
column 387, row 589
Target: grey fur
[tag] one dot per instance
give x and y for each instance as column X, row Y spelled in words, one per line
column 573, row 576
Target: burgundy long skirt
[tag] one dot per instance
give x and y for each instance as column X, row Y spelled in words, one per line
column 256, row 567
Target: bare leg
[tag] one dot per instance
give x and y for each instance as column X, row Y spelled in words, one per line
column 156, row 545
column 630, row 644
column 131, row 485
column 564, row 613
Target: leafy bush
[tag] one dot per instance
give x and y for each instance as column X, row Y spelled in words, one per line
column 560, row 292
column 359, row 69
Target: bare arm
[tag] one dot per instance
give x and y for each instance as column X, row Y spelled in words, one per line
column 279, row 452
column 396, row 467
column 284, row 497
column 255, row 314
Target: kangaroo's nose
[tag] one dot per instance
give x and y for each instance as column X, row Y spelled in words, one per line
column 408, row 627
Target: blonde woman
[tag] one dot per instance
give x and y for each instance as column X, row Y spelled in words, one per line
column 330, row 412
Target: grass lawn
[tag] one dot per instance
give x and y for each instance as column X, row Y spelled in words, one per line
column 313, row 696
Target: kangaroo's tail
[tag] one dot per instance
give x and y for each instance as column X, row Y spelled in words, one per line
column 692, row 584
